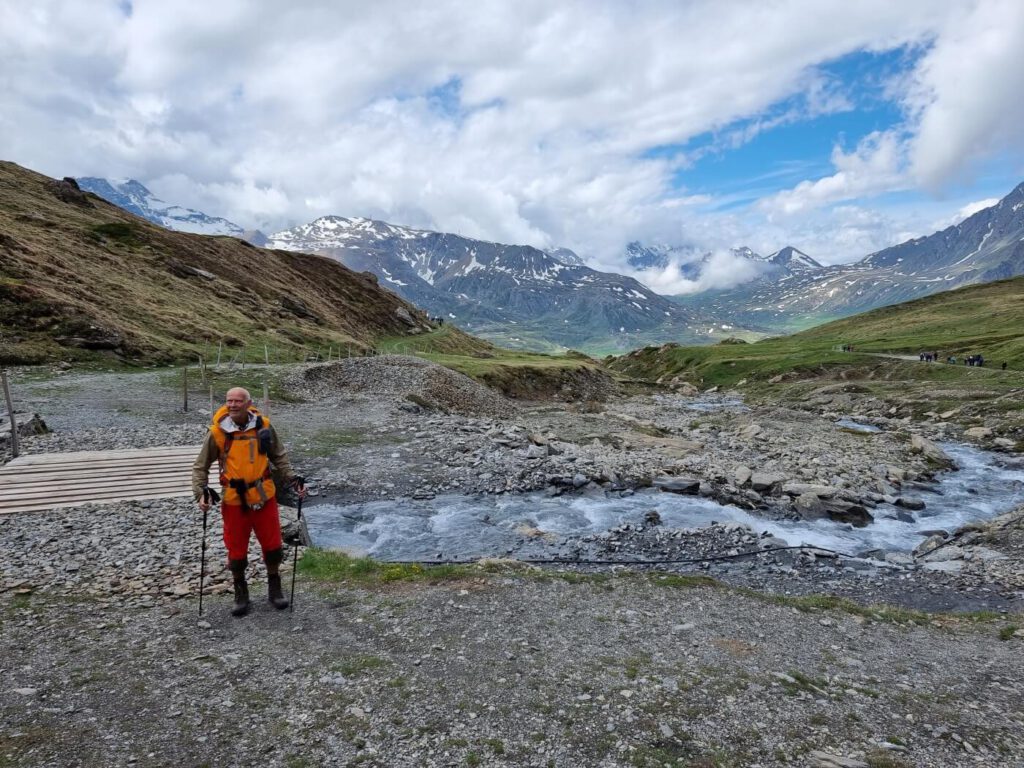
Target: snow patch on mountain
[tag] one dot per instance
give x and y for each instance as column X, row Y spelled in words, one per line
column 136, row 198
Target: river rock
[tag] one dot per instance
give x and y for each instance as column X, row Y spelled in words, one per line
column 751, row 431
column 684, row 485
column 741, row 475
column 930, row 544
column 810, row 507
column 944, row 554
column 765, row 481
column 821, row 759
column 907, row 503
column 536, row 452
column 978, row 433
column 799, row 489
column 931, row 451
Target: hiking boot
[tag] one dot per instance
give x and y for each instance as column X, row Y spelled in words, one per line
column 274, row 593
column 241, row 606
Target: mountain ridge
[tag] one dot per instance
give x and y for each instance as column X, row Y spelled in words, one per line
column 507, row 293
column 81, row 278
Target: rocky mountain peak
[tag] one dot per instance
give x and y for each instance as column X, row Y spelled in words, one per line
column 793, row 259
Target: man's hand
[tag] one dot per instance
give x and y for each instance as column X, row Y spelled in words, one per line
column 299, row 484
column 208, row 497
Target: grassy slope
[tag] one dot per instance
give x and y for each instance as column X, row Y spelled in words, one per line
column 986, row 319
column 93, row 271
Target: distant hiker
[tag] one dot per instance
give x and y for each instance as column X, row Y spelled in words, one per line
column 245, row 445
column 1004, row 366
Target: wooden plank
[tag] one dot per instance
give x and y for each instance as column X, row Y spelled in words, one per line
column 96, row 491
column 170, row 461
column 80, row 482
column 43, row 458
column 164, row 481
column 98, row 479
column 41, row 482
column 45, row 506
column 127, row 462
column 71, row 474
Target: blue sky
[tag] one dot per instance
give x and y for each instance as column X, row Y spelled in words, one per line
column 840, row 128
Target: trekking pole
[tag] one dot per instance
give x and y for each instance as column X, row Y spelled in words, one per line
column 300, row 482
column 208, row 494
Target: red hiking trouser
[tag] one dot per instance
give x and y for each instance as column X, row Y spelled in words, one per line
column 239, row 525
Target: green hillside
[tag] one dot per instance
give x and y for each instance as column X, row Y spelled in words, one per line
column 984, row 319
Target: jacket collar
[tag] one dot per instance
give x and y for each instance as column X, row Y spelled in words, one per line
column 227, row 424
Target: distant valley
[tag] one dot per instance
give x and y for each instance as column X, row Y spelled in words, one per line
column 984, row 247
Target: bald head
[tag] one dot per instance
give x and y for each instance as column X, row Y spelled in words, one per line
column 238, row 401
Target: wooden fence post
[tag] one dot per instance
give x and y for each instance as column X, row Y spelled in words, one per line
column 266, row 398
column 220, row 346
column 184, row 388
column 10, row 413
column 266, row 355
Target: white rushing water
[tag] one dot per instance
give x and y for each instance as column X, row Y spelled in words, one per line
column 460, row 526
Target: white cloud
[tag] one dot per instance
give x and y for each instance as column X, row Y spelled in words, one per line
column 964, row 212
column 965, row 95
column 524, row 122
column 874, row 166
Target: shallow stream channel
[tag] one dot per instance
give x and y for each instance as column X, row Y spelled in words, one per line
column 536, row 525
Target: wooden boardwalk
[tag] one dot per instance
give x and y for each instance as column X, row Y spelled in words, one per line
column 51, row 480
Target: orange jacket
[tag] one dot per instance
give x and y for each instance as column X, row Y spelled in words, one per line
column 241, row 458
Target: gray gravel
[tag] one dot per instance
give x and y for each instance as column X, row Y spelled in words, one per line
column 104, row 663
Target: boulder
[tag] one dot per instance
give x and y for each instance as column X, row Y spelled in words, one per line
column 765, row 481
column 930, row 544
column 845, row 512
column 819, row 759
column 978, row 433
column 751, row 431
column 403, row 314
column 811, row 507
column 684, row 485
column 799, row 489
column 741, row 475
column 536, row 452
column 27, row 425
column 907, row 503
column 931, row 451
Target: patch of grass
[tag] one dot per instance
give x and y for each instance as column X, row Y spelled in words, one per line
column 684, row 580
column 497, row 746
column 325, row 442
column 879, row 758
column 118, row 232
column 805, row 683
column 356, row 665
column 328, row 565
column 1006, row 633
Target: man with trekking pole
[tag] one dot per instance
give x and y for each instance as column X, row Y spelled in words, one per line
column 245, row 446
